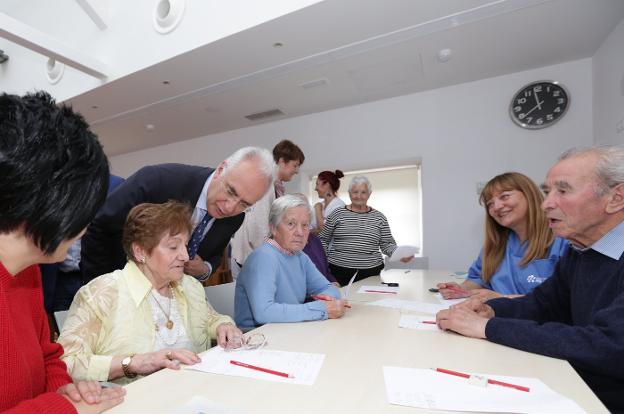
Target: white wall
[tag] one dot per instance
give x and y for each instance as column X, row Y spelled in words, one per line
column 608, row 76
column 462, row 134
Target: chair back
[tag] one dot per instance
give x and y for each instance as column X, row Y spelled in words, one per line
column 59, row 317
column 221, row 298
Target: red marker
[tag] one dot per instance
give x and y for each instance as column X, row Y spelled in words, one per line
column 380, row 291
column 328, row 300
column 490, row 381
column 429, row 322
column 267, row 370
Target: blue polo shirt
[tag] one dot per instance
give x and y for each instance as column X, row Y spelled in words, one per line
column 510, row 278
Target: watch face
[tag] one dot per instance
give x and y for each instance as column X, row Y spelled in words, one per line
column 539, row 104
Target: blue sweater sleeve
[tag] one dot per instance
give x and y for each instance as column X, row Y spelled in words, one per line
column 262, row 286
column 475, row 271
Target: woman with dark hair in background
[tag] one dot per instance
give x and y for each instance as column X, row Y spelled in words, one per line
column 327, row 185
column 54, row 178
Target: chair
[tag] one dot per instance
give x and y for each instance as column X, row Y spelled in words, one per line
column 221, row 298
column 59, row 317
column 418, row 262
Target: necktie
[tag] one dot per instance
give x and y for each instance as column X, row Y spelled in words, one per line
column 197, row 235
column 280, row 190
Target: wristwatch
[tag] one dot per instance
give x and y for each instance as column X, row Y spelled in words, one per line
column 125, row 366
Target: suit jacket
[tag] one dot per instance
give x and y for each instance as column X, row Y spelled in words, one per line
column 102, row 251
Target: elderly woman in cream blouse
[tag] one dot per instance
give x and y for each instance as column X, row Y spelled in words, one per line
column 149, row 315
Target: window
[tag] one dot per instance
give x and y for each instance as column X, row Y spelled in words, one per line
column 396, row 193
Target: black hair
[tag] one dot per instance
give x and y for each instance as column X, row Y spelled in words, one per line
column 53, row 171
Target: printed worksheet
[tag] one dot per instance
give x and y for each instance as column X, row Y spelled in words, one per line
column 429, row 389
column 392, row 290
column 421, row 323
column 263, row 364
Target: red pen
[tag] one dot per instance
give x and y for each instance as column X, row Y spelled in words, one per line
column 268, row 371
column 379, row 291
column 327, row 300
column 429, row 322
column 490, row 381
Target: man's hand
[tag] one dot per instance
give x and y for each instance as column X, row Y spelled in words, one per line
column 195, row 267
column 463, row 320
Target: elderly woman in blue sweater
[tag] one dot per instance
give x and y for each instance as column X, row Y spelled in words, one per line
column 278, row 277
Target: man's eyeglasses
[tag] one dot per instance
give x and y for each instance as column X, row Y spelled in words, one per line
column 232, row 195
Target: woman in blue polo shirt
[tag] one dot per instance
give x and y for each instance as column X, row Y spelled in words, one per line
column 520, row 251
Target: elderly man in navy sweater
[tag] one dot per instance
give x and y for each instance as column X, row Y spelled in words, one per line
column 578, row 313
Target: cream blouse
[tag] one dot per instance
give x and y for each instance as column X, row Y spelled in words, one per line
column 111, row 316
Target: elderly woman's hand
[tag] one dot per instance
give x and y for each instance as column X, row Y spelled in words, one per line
column 145, row 364
column 335, row 307
column 229, row 336
column 90, row 397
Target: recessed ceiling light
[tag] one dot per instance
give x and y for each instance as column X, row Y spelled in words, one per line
column 166, row 82
column 149, row 127
column 444, row 55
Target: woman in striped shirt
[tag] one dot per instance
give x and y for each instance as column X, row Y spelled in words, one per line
column 354, row 236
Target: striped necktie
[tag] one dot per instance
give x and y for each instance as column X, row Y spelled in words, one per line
column 197, row 236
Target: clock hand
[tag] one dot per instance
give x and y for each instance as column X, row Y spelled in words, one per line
column 534, row 108
column 539, row 104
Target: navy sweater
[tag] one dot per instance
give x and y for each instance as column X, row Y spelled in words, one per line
column 577, row 315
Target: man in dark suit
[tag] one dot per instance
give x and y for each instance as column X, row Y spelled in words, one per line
column 218, row 197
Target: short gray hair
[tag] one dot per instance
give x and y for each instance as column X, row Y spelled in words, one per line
column 609, row 165
column 360, row 179
column 262, row 156
column 284, row 203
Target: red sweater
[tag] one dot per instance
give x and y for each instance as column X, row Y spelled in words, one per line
column 30, row 367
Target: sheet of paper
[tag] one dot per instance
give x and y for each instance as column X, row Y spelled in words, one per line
column 448, row 302
column 304, row 367
column 347, row 289
column 409, row 305
column 403, row 251
column 392, row 290
column 426, row 388
column 421, row 323
column 202, row 405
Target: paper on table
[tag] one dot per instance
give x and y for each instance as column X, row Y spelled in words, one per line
column 448, row 302
column 347, row 289
column 202, row 405
column 426, row 388
column 379, row 289
column 410, row 305
column 418, row 322
column 304, row 367
column 403, row 251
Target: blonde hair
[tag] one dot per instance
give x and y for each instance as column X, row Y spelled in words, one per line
column 539, row 235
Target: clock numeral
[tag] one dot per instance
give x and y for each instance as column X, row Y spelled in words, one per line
column 557, row 109
column 529, row 119
column 517, row 108
column 539, row 121
column 560, row 101
column 521, row 116
column 549, row 117
column 537, row 88
column 521, row 101
column 556, row 93
column 528, row 93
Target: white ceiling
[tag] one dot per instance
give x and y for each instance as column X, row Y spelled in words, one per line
column 363, row 50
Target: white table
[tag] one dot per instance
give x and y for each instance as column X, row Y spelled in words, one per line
column 356, row 346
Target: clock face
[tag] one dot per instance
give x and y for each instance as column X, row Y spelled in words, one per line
column 539, row 104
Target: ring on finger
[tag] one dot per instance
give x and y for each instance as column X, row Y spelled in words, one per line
column 169, row 355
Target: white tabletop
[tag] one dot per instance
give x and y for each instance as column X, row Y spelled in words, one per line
column 356, row 347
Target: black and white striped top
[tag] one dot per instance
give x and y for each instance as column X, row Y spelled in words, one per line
column 352, row 239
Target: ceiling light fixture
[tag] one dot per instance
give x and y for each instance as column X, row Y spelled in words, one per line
column 444, row 55
column 168, row 14
column 278, row 44
column 54, row 70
